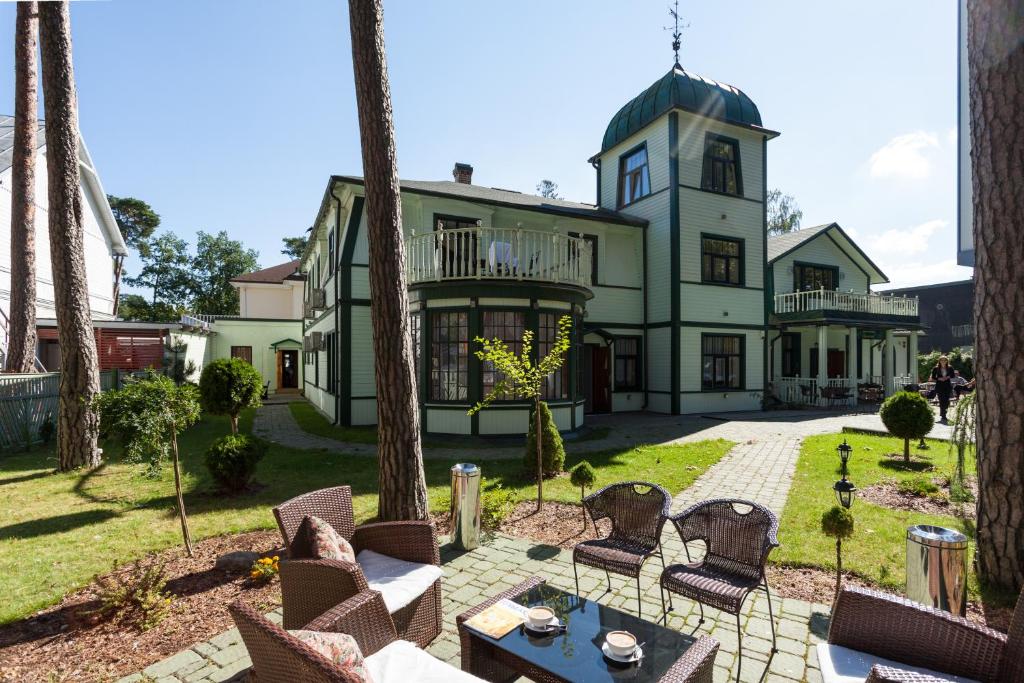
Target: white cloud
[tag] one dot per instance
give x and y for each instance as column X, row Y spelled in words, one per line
column 909, row 241
column 904, row 157
column 952, row 136
column 904, row 274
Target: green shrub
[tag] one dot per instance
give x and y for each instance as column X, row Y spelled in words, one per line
column 921, row 487
column 227, row 386
column 496, row 504
column 133, row 596
column 958, row 360
column 551, row 442
column 907, row 415
column 232, row 461
column 583, row 475
column 837, row 523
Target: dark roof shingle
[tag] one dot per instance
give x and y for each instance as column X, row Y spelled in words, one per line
column 272, row 275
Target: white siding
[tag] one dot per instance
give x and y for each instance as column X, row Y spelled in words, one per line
column 362, row 382
column 656, row 137
column 692, row 132
column 820, row 250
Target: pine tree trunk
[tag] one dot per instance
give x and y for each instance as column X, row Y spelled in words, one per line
column 185, row 535
column 21, row 339
column 995, row 33
column 234, row 424
column 540, row 454
column 77, row 424
column 906, row 450
column 402, row 485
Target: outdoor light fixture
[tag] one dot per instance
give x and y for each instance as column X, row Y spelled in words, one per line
column 844, row 488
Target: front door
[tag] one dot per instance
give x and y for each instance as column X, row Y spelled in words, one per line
column 836, row 363
column 288, row 369
column 600, row 382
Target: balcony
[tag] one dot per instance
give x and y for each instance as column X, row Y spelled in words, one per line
column 505, row 254
column 827, row 304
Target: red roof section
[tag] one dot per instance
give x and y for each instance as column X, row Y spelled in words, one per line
column 273, row 275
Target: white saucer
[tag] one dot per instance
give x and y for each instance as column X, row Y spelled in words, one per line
column 552, row 625
column 635, row 657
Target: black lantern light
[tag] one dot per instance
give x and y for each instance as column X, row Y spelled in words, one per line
column 844, row 488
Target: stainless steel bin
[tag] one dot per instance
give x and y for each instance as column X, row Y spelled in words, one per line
column 465, row 522
column 937, row 567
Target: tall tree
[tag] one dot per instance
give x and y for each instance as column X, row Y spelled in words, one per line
column 218, row 259
column 402, row 485
column 548, row 189
column 21, row 337
column 783, row 213
column 294, row 246
column 166, row 269
column 995, row 47
column 137, row 221
column 77, row 424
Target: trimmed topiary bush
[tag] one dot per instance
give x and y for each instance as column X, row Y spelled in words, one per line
column 232, row 461
column 907, row 415
column 551, row 443
column 583, row 475
column 229, row 385
column 837, row 523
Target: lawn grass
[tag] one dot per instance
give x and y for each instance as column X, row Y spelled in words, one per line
column 877, row 550
column 58, row 530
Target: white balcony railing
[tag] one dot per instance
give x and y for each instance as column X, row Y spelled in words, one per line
column 480, row 253
column 845, row 302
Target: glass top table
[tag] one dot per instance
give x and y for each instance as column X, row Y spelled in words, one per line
column 575, row 654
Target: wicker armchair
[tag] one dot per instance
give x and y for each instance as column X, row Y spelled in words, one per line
column 311, row 587
column 736, row 549
column 637, row 518
column 279, row 657
column 897, row 629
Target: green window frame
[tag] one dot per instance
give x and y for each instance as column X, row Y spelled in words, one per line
column 722, row 361
column 722, row 172
column 628, row 363
column 790, row 344
column 808, row 277
column 508, row 326
column 449, row 356
column 721, row 260
column 556, row 385
column 634, row 175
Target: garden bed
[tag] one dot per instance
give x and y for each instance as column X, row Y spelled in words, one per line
column 60, row 643
column 889, row 494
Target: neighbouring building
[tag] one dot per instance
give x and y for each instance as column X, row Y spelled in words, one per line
column 103, row 242
column 947, row 312
column 679, row 302
column 267, row 333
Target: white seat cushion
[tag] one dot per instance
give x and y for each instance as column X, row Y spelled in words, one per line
column 842, row 665
column 400, row 582
column 403, row 662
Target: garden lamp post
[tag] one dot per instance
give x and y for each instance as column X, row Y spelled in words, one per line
column 838, row 522
column 844, row 488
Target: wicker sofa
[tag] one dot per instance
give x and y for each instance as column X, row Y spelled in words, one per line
column 311, row 587
column 279, row 657
column 877, row 637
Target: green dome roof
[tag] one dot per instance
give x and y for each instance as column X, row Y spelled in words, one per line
column 686, row 91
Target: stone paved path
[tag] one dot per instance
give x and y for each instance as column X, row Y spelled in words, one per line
column 758, row 470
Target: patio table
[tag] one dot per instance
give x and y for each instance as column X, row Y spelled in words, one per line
column 575, row 654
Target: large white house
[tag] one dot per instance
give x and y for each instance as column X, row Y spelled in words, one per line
column 103, row 241
column 679, row 302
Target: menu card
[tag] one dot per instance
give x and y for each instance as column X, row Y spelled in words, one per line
column 499, row 619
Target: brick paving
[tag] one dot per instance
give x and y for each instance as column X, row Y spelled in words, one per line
column 759, row 470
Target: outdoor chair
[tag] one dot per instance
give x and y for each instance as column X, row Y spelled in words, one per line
column 736, row 547
column 637, row 517
column 310, row 587
column 280, row 657
column 877, row 637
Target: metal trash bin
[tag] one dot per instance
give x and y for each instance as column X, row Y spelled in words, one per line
column 465, row 522
column 937, row 568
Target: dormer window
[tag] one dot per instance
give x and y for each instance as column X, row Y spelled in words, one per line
column 634, row 179
column 722, row 165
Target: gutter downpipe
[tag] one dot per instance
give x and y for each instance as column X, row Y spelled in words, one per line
column 646, row 333
column 337, row 274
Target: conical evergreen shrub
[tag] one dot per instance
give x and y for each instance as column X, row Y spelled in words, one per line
column 551, row 442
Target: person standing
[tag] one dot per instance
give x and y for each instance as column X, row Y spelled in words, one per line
column 942, row 375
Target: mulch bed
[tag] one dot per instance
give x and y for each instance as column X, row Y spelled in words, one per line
column 558, row 524
column 58, row 644
column 888, row 495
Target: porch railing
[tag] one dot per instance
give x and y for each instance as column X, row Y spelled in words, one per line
column 846, row 302
column 805, row 391
column 483, row 253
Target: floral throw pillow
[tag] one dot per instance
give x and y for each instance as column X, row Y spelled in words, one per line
column 322, row 542
column 339, row 648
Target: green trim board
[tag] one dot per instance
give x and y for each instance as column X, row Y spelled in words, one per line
column 853, row 261
column 675, row 258
column 819, row 233
column 720, row 194
column 286, row 342
column 719, row 284
column 767, row 272
column 344, row 325
column 848, row 318
column 502, row 289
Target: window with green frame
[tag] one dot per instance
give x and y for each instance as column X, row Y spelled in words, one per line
column 722, row 361
column 721, row 171
column 809, row 277
column 628, row 375
column 507, row 326
column 449, row 356
column 634, row 176
column 721, row 260
column 556, row 385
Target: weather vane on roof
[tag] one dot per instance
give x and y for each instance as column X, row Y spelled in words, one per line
column 676, row 33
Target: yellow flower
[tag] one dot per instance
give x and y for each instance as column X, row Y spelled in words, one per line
column 276, row 558
column 253, row 574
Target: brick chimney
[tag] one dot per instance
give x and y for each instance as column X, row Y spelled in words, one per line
column 463, row 173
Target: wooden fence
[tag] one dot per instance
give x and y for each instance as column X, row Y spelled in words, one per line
column 26, row 400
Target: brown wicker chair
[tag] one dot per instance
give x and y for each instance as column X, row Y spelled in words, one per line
column 637, row 518
column 736, row 548
column 897, row 629
column 311, row 587
column 279, row 657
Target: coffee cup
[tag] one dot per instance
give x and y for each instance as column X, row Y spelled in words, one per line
column 539, row 617
column 621, row 643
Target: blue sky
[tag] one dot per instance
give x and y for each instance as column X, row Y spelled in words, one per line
column 230, row 114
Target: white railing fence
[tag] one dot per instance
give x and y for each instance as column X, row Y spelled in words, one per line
column 847, row 302
column 498, row 253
